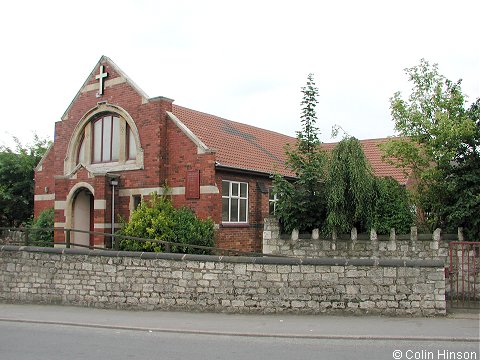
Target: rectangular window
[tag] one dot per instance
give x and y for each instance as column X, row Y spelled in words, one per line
column 97, row 144
column 234, row 202
column 115, row 138
column 137, row 199
column 107, row 138
column 272, row 202
column 132, row 149
column 81, row 152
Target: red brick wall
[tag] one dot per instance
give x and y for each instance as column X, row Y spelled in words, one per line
column 44, row 181
column 168, row 155
column 150, row 119
column 245, row 237
column 181, row 157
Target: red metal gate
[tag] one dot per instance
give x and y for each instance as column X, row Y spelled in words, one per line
column 463, row 281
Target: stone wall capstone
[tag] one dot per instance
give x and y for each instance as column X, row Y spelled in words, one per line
column 128, row 280
column 354, row 246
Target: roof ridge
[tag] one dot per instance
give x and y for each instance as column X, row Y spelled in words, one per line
column 365, row 140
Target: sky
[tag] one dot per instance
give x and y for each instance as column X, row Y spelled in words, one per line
column 241, row 60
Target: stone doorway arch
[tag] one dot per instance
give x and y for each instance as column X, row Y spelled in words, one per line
column 81, row 216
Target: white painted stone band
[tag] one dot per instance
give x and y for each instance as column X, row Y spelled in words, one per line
column 108, row 83
column 44, row 197
column 180, row 190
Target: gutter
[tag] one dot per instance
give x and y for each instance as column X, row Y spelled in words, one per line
column 239, row 170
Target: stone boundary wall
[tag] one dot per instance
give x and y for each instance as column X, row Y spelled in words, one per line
column 130, row 280
column 411, row 246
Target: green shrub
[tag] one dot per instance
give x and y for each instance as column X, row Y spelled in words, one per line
column 392, row 207
column 41, row 230
column 157, row 219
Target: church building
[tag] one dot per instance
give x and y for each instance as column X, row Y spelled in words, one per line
column 114, row 146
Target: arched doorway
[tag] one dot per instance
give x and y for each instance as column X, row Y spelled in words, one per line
column 82, row 217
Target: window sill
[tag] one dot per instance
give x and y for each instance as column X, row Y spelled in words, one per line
column 101, row 168
column 235, row 225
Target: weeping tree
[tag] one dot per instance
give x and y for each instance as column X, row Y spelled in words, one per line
column 301, row 203
column 336, row 192
column 350, row 188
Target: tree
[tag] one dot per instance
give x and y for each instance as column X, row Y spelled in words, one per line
column 392, row 207
column 350, row 188
column 301, row 203
column 455, row 198
column 439, row 146
column 157, row 219
column 16, row 180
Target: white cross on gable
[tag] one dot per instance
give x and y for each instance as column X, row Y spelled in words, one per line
column 100, row 77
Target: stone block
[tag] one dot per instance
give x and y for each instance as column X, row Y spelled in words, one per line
column 284, row 269
column 352, row 289
column 412, row 272
column 254, row 267
column 330, row 277
column 381, row 304
column 258, row 276
column 390, row 272
column 87, row 266
column 294, row 236
column 423, row 288
column 238, row 303
column 353, row 305
column 375, row 273
column 298, row 304
column 367, row 305
column 274, row 277
column 440, row 304
column 210, row 276
column 109, row 268
column 355, row 273
column 437, row 276
column 368, row 289
column 240, row 269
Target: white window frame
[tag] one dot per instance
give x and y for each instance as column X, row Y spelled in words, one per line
column 238, row 197
column 115, row 147
column 272, row 200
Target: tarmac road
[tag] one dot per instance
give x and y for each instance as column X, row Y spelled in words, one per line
column 57, row 332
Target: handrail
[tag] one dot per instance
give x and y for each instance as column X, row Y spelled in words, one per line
column 116, row 237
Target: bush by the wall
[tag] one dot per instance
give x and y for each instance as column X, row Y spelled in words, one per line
column 41, row 230
column 157, row 219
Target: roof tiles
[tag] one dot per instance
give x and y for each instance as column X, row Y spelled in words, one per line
column 251, row 148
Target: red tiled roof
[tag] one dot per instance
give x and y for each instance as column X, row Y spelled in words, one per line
column 251, row 148
column 238, row 145
column 373, row 153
